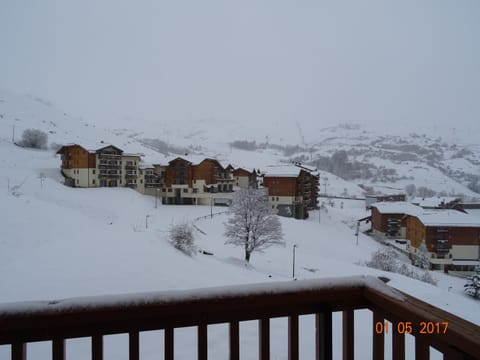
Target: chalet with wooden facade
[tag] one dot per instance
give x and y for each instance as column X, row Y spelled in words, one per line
column 390, row 218
column 291, row 189
column 108, row 166
column 244, row 178
column 205, row 183
column 452, row 238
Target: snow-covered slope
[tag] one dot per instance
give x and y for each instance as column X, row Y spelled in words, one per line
column 58, row 242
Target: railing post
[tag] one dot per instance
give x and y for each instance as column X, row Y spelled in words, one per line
column 58, row 349
column 234, row 341
column 169, row 343
column 134, row 345
column 323, row 336
column 348, row 335
column 293, row 337
column 202, row 342
column 398, row 343
column 422, row 350
column 378, row 337
column 97, row 347
column 264, row 339
column 19, row 351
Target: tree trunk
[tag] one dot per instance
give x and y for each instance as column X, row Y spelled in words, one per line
column 247, row 252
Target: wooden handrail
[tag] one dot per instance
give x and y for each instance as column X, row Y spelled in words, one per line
column 103, row 315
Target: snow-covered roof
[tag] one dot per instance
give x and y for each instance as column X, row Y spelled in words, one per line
column 92, row 147
column 474, row 212
column 448, row 218
column 283, row 170
column 192, row 158
column 432, row 201
column 397, row 207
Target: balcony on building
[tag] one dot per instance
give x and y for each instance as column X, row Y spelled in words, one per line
column 97, row 317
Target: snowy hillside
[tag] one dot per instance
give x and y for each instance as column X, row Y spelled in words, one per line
column 446, row 162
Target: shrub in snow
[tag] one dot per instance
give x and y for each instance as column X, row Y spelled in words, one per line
column 427, row 277
column 34, row 138
column 182, row 238
column 252, row 225
column 386, row 259
column 423, row 261
column 472, row 287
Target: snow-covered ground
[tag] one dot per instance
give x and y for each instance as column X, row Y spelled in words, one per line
column 59, row 242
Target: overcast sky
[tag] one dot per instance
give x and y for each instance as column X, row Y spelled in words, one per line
column 312, row 62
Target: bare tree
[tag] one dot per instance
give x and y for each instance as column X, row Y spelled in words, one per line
column 411, row 190
column 34, row 138
column 252, row 225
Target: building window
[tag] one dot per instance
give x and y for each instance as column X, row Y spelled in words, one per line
column 93, row 181
column 277, row 198
column 195, row 190
column 185, row 190
column 141, row 181
column 78, row 181
column 170, row 190
column 93, row 171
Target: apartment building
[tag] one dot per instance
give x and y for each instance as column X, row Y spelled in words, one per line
column 204, row 183
column 292, row 190
column 107, row 166
column 244, row 178
column 452, row 238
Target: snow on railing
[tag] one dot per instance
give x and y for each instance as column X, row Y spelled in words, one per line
column 98, row 316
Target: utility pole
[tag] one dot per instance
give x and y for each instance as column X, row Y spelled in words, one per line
column 358, row 230
column 146, row 221
column 156, row 197
column 13, row 134
column 293, row 262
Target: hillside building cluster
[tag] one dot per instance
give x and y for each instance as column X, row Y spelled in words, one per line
column 452, row 237
column 292, row 190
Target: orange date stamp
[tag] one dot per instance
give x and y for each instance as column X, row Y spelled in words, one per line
column 407, row 327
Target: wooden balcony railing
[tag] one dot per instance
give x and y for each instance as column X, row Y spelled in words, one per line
column 94, row 317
